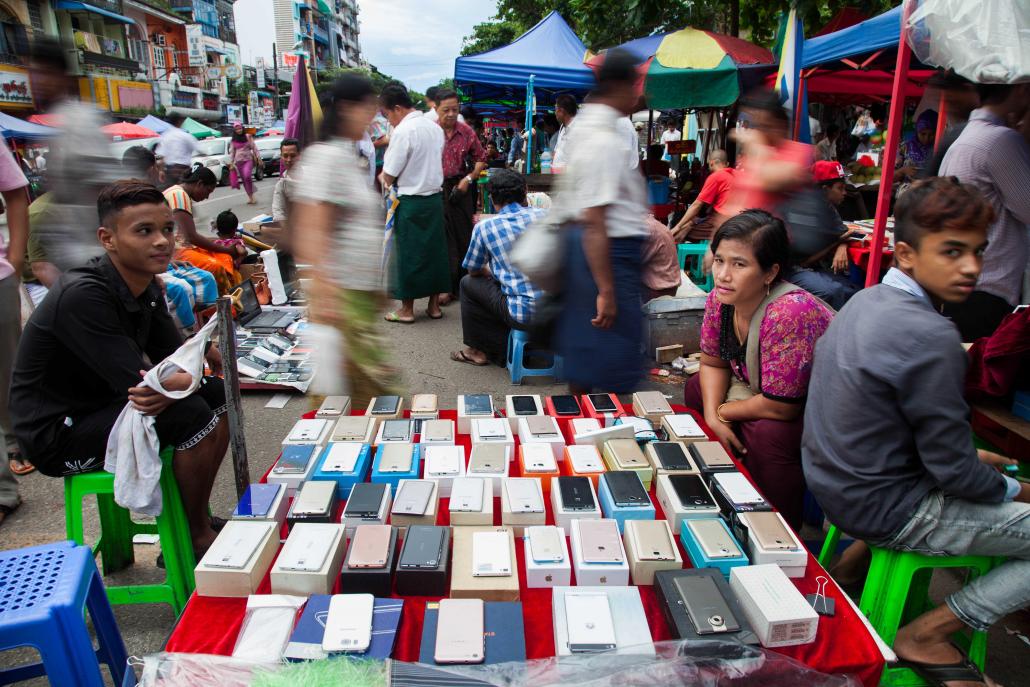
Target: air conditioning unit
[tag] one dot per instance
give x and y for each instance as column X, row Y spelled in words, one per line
column 193, row 80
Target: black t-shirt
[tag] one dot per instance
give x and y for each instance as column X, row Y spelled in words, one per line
column 933, row 168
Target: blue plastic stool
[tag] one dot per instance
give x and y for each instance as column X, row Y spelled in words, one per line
column 43, row 590
column 517, row 342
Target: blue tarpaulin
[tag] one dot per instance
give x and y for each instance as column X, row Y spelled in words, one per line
column 158, row 126
column 865, row 37
column 12, row 127
column 550, row 51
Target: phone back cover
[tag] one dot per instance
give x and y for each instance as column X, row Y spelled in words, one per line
column 502, row 625
column 306, row 640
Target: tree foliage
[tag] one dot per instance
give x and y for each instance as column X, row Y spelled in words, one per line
column 379, row 79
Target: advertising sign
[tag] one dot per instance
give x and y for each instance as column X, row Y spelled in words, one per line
column 259, row 65
column 195, row 45
column 14, row 88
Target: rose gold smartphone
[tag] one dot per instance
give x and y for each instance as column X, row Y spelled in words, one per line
column 459, row 631
column 653, row 540
column 600, row 541
column 370, row 546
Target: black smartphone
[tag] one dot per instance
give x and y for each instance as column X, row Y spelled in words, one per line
column 478, row 404
column 671, row 455
column 575, row 493
column 602, row 403
column 566, row 405
column 365, row 500
column 524, row 405
column 626, row 488
column 691, row 491
column 423, row 547
column 386, row 405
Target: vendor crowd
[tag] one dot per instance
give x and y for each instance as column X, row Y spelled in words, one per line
column 857, row 395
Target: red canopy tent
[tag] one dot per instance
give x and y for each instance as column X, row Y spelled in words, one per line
column 125, row 130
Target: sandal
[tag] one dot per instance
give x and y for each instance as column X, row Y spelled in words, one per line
column 460, row 357
column 7, row 510
column 438, row 316
column 938, row 674
column 393, row 317
column 217, row 523
column 19, row 465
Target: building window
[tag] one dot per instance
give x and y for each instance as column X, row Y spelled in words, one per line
column 159, row 57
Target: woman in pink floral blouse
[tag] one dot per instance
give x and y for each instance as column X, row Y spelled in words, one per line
column 759, row 418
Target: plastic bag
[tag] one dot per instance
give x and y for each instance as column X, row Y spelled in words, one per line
column 986, row 41
column 328, row 356
column 267, row 627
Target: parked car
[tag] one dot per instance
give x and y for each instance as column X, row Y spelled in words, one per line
column 213, row 153
column 268, row 147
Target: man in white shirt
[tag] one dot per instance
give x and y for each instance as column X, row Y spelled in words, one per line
column 671, row 133
column 414, row 160
column 289, row 152
column 625, row 127
column 565, row 109
column 176, row 147
column 432, row 100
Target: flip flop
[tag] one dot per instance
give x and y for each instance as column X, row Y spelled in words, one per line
column 938, row 674
column 434, row 317
column 460, row 357
column 392, row 317
column 19, row 466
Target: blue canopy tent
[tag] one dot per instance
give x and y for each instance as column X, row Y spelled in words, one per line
column 156, row 125
column 12, row 127
column 874, row 34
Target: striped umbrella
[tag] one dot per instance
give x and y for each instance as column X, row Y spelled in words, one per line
column 691, row 68
column 303, row 114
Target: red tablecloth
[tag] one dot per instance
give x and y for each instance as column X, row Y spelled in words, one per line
column 843, row 645
column 860, row 252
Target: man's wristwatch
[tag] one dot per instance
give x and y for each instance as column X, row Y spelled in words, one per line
column 468, row 178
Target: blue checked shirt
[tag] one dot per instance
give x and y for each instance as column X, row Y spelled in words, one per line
column 490, row 245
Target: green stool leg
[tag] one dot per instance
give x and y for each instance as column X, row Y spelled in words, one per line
column 829, row 547
column 115, row 544
column 174, row 531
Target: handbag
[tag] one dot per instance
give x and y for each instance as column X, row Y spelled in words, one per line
column 261, row 288
column 539, row 253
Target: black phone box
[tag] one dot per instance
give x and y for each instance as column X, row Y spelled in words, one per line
column 375, row 581
column 675, row 611
column 728, row 507
column 326, row 515
column 426, row 581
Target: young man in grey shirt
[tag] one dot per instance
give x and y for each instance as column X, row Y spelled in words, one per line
column 887, row 448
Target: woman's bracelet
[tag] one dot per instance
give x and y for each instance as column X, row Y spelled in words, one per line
column 718, row 414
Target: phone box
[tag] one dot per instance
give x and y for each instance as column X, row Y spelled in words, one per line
column 581, row 427
column 537, row 460
column 513, row 417
column 674, row 511
column 793, row 560
column 343, row 409
column 276, row 511
column 651, row 405
column 683, row 428
column 735, row 494
column 379, row 417
column 425, row 581
column 711, row 458
column 583, row 461
column 553, row 438
column 725, row 562
column 437, row 432
column 465, row 420
column 302, row 582
column 407, row 439
column 504, row 637
column 438, row 460
column 642, row 570
column 621, row 514
column 777, row 611
column 424, row 407
column 618, row 453
column 346, row 451
column 491, row 462
column 403, row 520
column 643, row 430
column 547, row 573
column 660, row 468
column 495, row 431
column 564, row 518
column 606, row 419
column 483, row 516
column 632, row 633
column 606, row 574
column 238, row 582
column 314, row 432
column 354, row 428
column 321, row 495
column 598, row 437
column 375, row 581
column 520, row 520
column 394, row 478
column 306, row 640
column 675, row 609
column 464, row 585
column 549, row 410
column 291, row 453
column 351, row 521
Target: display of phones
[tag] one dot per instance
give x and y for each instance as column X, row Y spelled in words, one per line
column 370, row 546
column 413, row 497
column 671, row 455
column 365, row 500
column 600, row 542
column 397, row 430
column 386, row 405
column 602, row 403
column 705, row 604
column 541, row 426
column 342, row 457
column 715, row 541
column 459, row 631
column 258, row 500
column 576, row 493
column 395, row 457
column 491, row 554
column 305, row 552
column 348, row 624
column 523, row 495
column 467, row 495
column 626, row 488
column 691, row 491
column 423, row 548
column 523, row 405
column 589, row 621
column 479, row 404
column 545, row 544
column 565, row 405
column 770, row 531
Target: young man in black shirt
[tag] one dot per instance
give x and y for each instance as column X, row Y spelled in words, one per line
column 88, row 344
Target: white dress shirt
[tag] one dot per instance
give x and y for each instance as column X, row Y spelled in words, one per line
column 433, row 117
column 625, row 128
column 561, row 148
column 415, row 156
column 176, row 147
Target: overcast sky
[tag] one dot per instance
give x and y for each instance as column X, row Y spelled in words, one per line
column 415, row 41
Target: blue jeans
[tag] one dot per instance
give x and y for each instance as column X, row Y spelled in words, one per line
column 946, row 526
column 835, row 289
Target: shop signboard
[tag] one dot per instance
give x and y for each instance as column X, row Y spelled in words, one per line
column 259, row 64
column 233, row 71
column 234, row 113
column 195, row 43
column 14, row 88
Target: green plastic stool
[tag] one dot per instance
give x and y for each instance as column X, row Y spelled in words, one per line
column 695, row 253
column 117, row 529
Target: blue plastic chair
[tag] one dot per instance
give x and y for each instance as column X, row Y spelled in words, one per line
column 43, row 591
column 518, row 340
column 691, row 258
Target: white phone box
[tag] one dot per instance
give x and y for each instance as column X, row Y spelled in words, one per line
column 310, row 560
column 777, row 611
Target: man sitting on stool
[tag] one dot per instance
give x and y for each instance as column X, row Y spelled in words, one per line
column 495, row 296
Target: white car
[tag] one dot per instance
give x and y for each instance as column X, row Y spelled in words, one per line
column 213, row 153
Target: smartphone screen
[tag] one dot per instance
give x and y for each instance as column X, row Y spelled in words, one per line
column 691, row 491
column 524, row 405
column 565, row 405
column 602, row 403
column 478, row 404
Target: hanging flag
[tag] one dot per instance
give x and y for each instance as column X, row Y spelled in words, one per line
column 788, row 77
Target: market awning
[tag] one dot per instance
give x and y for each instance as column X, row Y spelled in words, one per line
column 12, row 127
column 324, row 8
column 127, row 130
column 154, row 124
column 221, row 51
column 72, row 6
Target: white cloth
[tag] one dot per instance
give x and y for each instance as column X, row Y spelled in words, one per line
column 673, row 135
column 598, row 174
column 133, row 449
column 625, row 128
column 561, row 148
column 176, row 147
column 415, row 156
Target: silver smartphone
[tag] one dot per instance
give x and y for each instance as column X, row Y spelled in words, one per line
column 348, row 624
column 395, row 457
column 523, row 495
column 588, row 618
column 715, row 541
column 459, row 631
column 413, row 497
column 467, row 495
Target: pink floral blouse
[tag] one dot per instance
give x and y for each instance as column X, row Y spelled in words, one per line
column 792, row 325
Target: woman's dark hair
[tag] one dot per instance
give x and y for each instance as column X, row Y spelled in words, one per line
column 938, row 203
column 125, row 193
column 395, row 95
column 506, row 186
column 567, row 103
column 139, row 160
column 765, row 233
column 764, row 100
column 202, row 176
column 239, row 137
column 349, row 88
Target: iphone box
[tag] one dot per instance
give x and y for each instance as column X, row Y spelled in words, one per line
column 550, row 573
column 345, row 463
column 491, row 462
column 485, row 514
column 323, row 544
column 774, row 607
column 394, row 477
column 465, row 585
column 238, row 559
column 465, row 419
column 375, row 581
column 644, row 563
column 683, row 428
column 632, row 633
column 519, row 518
column 513, row 417
column 563, row 517
column 674, row 511
column 542, row 430
column 437, row 432
column 537, row 460
column 583, row 461
column 443, row 464
column 621, row 514
column 494, row 431
column 604, row 574
column 790, row 555
column 425, row 581
column 406, row 519
column 314, row 432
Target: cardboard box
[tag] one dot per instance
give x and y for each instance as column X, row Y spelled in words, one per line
column 632, row 633
column 492, row 431
column 344, row 480
column 466, row 586
column 354, row 428
column 583, row 461
column 563, row 518
column 553, row 437
column 651, row 405
column 603, row 574
column 314, row 432
column 606, row 419
column 437, row 432
column 654, row 456
column 537, row 460
column 213, row 580
column 351, row 521
column 673, row 509
column 404, row 520
column 625, row 454
column 683, row 428
column 520, row 520
column 696, row 532
column 792, row 559
column 305, row 583
column 375, row 581
column 513, row 417
column 292, row 480
column 483, row 516
column 438, row 463
column 425, row 581
column 547, row 573
column 675, row 611
column 642, row 570
column 276, row 512
column 465, row 420
column 774, row 607
column 620, row 514
column 393, row 478
column 490, row 462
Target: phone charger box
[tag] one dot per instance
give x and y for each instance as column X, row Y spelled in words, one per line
column 351, row 521
column 547, row 573
column 513, row 417
column 393, row 477
column 642, row 570
column 603, row 574
column 598, row 437
column 606, row 419
column 438, row 463
column 465, row 585
column 583, row 461
column 621, row 514
column 683, row 428
column 294, row 454
column 549, row 410
column 424, row 581
column 304, row 582
column 728, row 486
column 407, row 439
column 651, row 450
column 620, row 452
column 696, row 550
column 331, row 456
column 677, row 615
column 651, row 405
column 465, row 420
column 537, row 460
column 674, row 511
column 552, row 438
column 491, row 462
column 424, row 407
column 632, row 633
column 238, row 582
column 437, row 432
column 379, row 417
column 792, row 560
column 404, row 520
column 521, row 519
column 276, row 511
column 495, row 431
column 580, row 427
column 777, row 611
column 336, row 413
column 359, row 429
column 314, row 432
column 375, row 581
column 563, row 517
column 485, row 514
column 322, row 496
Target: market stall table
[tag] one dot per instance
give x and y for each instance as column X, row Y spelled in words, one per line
column 843, row 645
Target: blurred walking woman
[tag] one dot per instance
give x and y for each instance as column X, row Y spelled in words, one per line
column 340, row 233
column 243, row 155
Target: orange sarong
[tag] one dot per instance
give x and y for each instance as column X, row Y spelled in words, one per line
column 220, row 265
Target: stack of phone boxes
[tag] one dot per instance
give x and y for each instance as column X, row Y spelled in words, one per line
column 547, row 557
column 699, row 604
column 625, row 454
column 344, row 464
column 574, row 498
column 238, row 560
column 650, row 547
column 368, row 565
column 310, row 560
column 684, row 496
column 710, row 544
column 522, row 503
column 589, row 619
column 396, row 461
column 537, row 460
column 776, row 610
column 542, row 429
column 423, row 563
column 597, row 553
column 471, row 502
column 416, row 503
column 484, row 567
column 623, row 497
column 516, row 407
